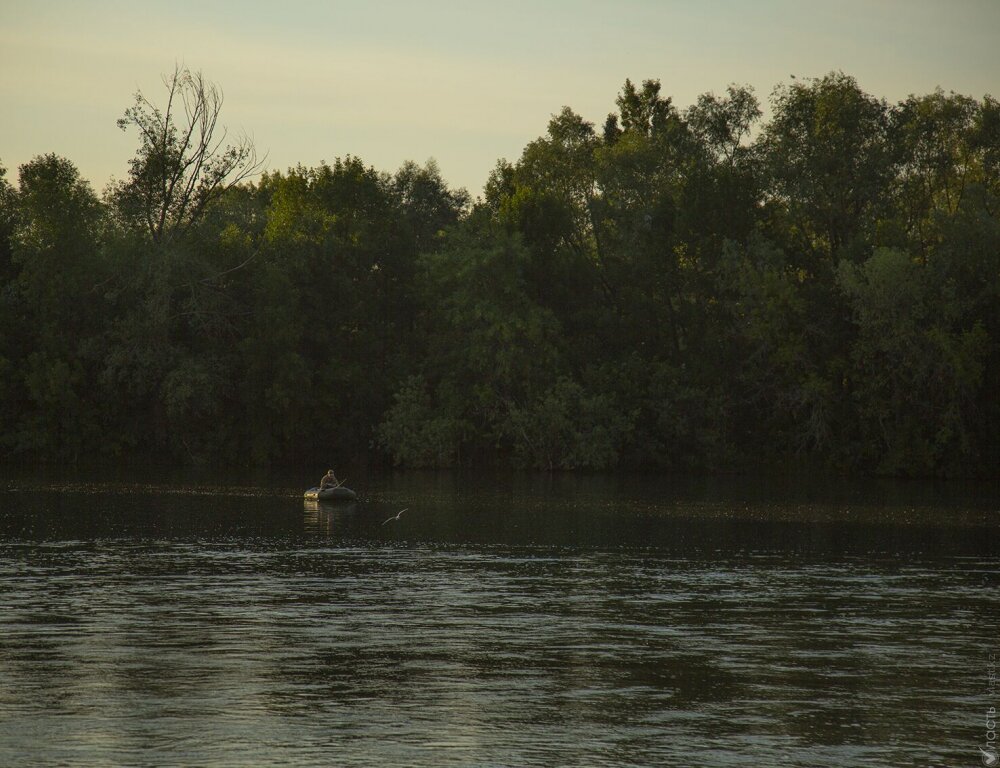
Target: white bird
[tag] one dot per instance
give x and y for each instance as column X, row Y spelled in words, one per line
column 396, row 517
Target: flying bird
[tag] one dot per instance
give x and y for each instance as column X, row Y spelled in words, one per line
column 396, row 517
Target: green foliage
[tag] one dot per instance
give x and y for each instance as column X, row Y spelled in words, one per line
column 829, row 160
column 182, row 165
column 917, row 374
column 418, row 433
column 682, row 289
column 503, row 341
column 567, row 427
column 783, row 389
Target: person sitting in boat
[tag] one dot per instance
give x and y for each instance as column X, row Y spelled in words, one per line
column 329, row 481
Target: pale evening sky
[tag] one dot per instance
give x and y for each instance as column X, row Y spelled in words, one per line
column 465, row 82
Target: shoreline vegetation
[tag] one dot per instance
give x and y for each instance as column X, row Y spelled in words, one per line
column 678, row 289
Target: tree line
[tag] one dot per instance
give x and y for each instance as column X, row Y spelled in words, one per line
column 689, row 288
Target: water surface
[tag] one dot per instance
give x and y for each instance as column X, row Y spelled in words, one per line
column 508, row 621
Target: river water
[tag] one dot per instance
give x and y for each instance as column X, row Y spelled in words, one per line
column 501, row 621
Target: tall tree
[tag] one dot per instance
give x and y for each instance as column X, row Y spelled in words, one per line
column 8, row 203
column 830, row 163
column 60, row 304
column 184, row 161
column 918, row 374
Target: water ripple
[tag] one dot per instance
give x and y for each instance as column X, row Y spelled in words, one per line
column 179, row 653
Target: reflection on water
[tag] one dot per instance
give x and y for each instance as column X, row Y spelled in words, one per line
column 524, row 626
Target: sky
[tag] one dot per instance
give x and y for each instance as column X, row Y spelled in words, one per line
column 463, row 82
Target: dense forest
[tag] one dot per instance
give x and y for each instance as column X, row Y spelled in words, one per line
column 678, row 288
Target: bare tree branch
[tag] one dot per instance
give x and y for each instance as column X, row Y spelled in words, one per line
column 180, row 168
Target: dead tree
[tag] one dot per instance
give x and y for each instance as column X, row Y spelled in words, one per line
column 183, row 162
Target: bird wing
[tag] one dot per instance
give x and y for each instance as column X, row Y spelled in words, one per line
column 395, row 517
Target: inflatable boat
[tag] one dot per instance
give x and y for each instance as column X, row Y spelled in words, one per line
column 331, row 494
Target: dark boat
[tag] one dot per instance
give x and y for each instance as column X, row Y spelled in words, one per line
column 331, row 494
